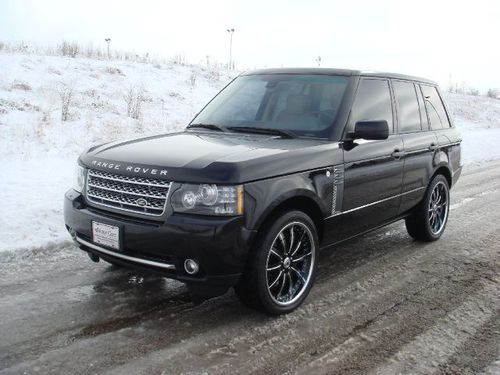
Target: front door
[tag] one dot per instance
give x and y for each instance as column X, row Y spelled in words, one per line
column 373, row 170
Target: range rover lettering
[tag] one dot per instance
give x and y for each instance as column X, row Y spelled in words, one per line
column 280, row 164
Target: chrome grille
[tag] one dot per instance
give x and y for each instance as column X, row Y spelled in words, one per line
column 133, row 194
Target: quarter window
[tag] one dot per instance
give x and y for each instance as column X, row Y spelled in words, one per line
column 373, row 102
column 435, row 109
column 407, row 107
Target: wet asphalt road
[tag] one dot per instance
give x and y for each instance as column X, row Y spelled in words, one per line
column 382, row 304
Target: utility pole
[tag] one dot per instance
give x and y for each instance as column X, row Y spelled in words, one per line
column 108, row 41
column 231, row 32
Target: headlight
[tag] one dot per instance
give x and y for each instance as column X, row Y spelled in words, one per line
column 79, row 178
column 208, row 199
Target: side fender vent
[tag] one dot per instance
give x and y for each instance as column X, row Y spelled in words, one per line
column 338, row 189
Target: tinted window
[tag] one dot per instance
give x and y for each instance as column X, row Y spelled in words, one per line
column 373, row 102
column 435, row 108
column 305, row 104
column 423, row 112
column 406, row 106
column 245, row 103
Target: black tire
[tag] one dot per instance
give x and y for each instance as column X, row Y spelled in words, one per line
column 428, row 220
column 285, row 254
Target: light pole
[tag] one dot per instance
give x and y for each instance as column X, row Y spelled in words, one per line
column 231, row 32
column 108, row 41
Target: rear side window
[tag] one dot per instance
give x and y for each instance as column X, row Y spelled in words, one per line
column 435, row 109
column 423, row 112
column 406, row 107
column 373, row 102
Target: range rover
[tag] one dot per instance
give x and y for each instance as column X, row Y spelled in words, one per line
column 280, row 164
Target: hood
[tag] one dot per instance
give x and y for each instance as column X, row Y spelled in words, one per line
column 210, row 157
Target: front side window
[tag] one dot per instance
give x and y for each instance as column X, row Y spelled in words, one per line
column 406, row 107
column 435, row 108
column 373, row 102
column 306, row 105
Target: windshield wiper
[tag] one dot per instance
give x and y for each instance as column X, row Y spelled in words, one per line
column 208, row 126
column 250, row 129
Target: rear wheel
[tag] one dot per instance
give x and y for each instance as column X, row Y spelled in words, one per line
column 428, row 221
column 282, row 266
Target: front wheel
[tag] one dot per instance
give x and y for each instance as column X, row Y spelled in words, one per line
column 282, row 266
column 429, row 218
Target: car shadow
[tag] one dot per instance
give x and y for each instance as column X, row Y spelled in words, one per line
column 126, row 298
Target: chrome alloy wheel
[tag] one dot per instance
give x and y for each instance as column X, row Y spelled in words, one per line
column 438, row 208
column 290, row 263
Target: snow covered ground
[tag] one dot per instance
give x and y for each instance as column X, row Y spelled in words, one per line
column 478, row 119
column 38, row 150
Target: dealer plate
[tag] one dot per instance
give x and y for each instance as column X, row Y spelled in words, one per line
column 106, row 235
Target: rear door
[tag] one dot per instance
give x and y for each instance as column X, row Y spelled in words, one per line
column 419, row 142
column 373, row 169
column 448, row 138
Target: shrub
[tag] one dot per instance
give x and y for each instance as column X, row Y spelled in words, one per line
column 474, row 92
column 134, row 99
column 69, row 48
column 492, row 93
column 23, row 86
column 113, row 70
column 66, row 95
column 192, row 79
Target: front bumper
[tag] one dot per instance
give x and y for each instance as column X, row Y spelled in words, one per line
column 219, row 244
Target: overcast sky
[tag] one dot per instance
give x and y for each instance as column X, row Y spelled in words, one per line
column 431, row 38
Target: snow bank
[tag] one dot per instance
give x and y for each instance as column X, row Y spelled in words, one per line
column 31, row 193
column 480, row 145
column 38, row 150
column 474, row 112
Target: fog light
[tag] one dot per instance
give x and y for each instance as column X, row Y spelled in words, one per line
column 191, row 266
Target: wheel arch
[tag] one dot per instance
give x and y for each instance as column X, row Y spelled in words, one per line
column 302, row 202
column 445, row 171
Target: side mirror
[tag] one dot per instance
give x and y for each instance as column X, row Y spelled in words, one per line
column 371, row 130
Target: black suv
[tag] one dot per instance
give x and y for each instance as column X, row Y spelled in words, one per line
column 280, row 164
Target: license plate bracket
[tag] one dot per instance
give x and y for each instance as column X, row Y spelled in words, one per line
column 106, row 235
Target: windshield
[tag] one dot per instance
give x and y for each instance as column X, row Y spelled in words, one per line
column 306, row 105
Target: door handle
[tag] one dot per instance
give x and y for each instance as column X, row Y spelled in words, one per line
column 433, row 147
column 397, row 154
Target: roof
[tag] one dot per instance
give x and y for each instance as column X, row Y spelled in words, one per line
column 397, row 76
column 322, row 71
column 342, row 72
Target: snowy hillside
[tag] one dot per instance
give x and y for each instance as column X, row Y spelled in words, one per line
column 108, row 100
column 38, row 150
column 102, row 97
column 478, row 119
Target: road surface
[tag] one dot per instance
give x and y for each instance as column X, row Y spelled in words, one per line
column 382, row 304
